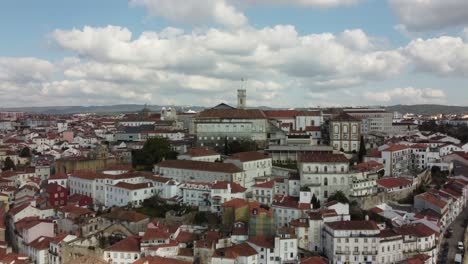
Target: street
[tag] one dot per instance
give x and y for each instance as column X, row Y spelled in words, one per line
column 458, row 234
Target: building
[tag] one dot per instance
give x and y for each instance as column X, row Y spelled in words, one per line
column 351, row 241
column 215, row 126
column 200, row 154
column 126, row 251
column 373, row 119
column 324, row 174
column 345, row 133
column 200, row 171
column 254, row 164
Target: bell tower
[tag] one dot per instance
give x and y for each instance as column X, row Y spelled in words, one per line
column 241, row 96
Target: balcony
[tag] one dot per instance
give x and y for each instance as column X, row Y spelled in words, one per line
column 356, row 253
column 370, row 253
column 341, row 252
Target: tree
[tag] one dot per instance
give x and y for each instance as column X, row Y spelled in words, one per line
column 338, row 196
column 362, row 150
column 314, row 201
column 9, row 164
column 25, row 152
column 154, row 151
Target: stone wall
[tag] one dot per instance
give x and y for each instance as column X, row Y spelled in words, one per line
column 368, row 202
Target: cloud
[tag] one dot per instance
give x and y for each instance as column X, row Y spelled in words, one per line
column 427, row 15
column 407, row 95
column 25, row 69
column 271, row 52
column 228, row 13
column 445, row 56
column 195, row 11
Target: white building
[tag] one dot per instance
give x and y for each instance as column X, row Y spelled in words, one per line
column 133, row 194
column 125, row 251
column 324, row 174
column 254, row 164
column 200, row 154
column 199, row 171
column 373, row 119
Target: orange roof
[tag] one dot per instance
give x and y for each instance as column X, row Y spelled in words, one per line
column 41, row 243
column 249, row 156
column 431, row 199
column 353, row 225
column 262, row 241
column 130, row 244
column 393, row 182
column 323, row 157
column 393, row 148
column 200, row 151
column 240, row 250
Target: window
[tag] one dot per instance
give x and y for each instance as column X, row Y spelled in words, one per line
column 325, row 181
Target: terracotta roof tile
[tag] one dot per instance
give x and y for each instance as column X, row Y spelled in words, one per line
column 323, row 157
column 353, row 225
column 200, row 166
column 388, row 182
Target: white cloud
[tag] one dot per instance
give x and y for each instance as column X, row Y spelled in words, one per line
column 25, row 69
column 447, row 56
column 424, row 15
column 305, row 3
column 407, row 95
column 195, row 11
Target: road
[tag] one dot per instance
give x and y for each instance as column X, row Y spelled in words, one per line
column 458, row 235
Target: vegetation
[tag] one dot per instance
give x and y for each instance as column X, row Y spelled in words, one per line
column 410, row 198
column 338, row 196
column 25, row 153
column 9, row 164
column 155, row 207
column 154, row 151
column 460, row 132
column 315, row 202
column 438, row 178
column 362, row 150
column 232, row 147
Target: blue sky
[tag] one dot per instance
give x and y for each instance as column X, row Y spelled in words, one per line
column 194, row 52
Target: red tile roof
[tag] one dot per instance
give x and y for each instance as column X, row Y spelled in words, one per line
column 41, row 243
column 200, row 166
column 314, row 260
column 393, row 148
column 223, row 185
column 249, row 156
column 130, row 244
column 388, row 182
column 240, row 250
column 431, row 199
column 266, row 185
column 123, row 215
column 418, row 230
column 200, row 151
column 262, row 241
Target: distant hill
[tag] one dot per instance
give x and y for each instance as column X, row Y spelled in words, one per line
column 428, row 109
column 424, row 109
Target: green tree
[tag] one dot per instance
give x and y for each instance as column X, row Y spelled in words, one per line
column 314, row 201
column 338, row 196
column 25, row 153
column 362, row 150
column 9, row 164
column 154, row 151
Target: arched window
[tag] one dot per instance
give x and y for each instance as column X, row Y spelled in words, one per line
column 334, row 180
column 325, row 169
column 325, row 181
column 316, row 168
column 342, row 168
column 336, row 129
column 345, row 129
column 354, row 129
column 342, row 180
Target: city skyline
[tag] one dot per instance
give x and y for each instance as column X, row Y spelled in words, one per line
column 291, row 53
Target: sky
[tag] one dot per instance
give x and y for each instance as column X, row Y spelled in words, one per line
column 290, row 53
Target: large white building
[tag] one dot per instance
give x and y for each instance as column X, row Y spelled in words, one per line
column 395, row 158
column 215, row 126
column 373, row 119
column 200, row 171
column 324, row 174
column 254, row 164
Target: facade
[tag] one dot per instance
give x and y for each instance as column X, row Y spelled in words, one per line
column 373, row 119
column 345, row 133
column 200, row 171
column 200, row 154
column 213, row 127
column 324, row 174
column 254, row 164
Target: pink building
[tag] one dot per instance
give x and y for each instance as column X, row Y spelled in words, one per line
column 68, row 136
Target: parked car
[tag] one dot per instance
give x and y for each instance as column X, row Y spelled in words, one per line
column 460, row 245
column 458, row 258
